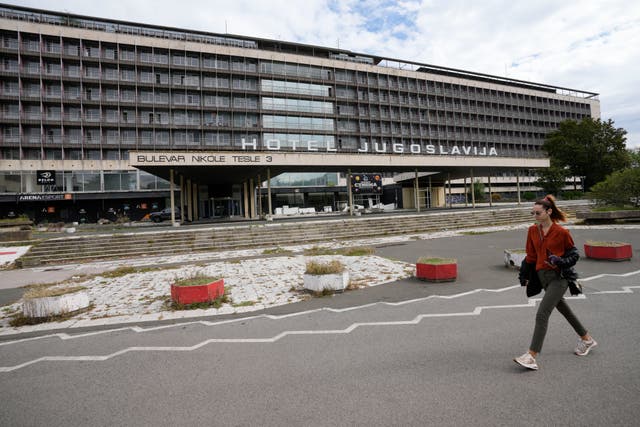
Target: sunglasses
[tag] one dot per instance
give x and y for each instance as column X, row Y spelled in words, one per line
column 537, row 213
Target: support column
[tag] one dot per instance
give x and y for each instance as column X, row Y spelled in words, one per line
column 189, row 201
column 449, row 185
column 466, row 201
column 490, row 193
column 173, row 200
column 349, row 192
column 518, row 185
column 181, row 198
column 246, row 199
column 252, row 200
column 259, row 197
column 269, row 190
column 473, row 191
column 416, row 191
column 430, row 204
column 196, row 201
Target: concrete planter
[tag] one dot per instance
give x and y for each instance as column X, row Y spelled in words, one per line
column 196, row 294
column 329, row 282
column 55, row 306
column 437, row 270
column 513, row 257
column 611, row 251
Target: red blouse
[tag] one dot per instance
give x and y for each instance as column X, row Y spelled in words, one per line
column 556, row 242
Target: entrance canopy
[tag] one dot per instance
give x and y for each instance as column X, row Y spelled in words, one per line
column 234, row 167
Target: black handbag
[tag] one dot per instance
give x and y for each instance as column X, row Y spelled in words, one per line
column 575, row 287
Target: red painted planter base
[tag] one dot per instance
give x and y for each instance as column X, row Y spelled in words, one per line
column 195, row 294
column 623, row 252
column 437, row 272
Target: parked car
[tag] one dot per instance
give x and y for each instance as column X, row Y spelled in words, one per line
column 163, row 214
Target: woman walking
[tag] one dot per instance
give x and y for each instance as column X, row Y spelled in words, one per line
column 550, row 252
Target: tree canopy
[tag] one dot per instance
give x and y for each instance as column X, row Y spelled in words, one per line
column 621, row 188
column 589, row 148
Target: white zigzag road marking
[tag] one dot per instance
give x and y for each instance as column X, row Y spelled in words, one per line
column 476, row 312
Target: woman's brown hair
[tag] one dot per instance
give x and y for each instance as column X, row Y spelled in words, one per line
column 549, row 202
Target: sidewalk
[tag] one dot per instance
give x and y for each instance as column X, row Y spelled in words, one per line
column 259, row 281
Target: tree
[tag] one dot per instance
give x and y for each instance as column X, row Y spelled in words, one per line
column 590, row 148
column 619, row 189
column 552, row 180
column 478, row 190
column 634, row 157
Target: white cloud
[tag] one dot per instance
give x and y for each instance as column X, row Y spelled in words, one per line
column 588, row 45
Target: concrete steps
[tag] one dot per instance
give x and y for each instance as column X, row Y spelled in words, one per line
column 158, row 243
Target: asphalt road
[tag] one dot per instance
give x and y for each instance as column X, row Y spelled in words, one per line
column 407, row 353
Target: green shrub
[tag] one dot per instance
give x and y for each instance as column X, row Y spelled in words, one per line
column 572, row 195
column 528, row 196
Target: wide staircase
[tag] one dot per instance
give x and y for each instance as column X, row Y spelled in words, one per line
column 78, row 249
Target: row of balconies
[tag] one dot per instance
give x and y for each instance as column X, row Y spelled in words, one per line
column 196, row 102
column 150, row 119
column 516, row 101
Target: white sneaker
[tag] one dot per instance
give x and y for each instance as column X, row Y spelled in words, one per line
column 584, row 347
column 527, row 360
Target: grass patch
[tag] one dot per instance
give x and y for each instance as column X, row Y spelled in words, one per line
column 44, row 291
column 436, row 261
column 352, row 251
column 319, row 268
column 615, row 208
column 357, row 251
column 605, row 244
column 276, row 251
column 21, row 320
column 197, row 280
column 244, row 304
column 123, row 271
column 316, row 250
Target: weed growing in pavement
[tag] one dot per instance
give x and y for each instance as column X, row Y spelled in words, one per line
column 198, row 279
column 350, row 251
column 357, row 251
column 21, row 320
column 275, row 251
column 40, row 291
column 244, row 304
column 319, row 268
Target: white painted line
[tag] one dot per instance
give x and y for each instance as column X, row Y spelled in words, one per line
column 476, row 312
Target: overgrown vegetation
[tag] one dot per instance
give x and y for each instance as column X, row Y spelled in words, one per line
column 20, row 319
column 351, row 251
column 44, row 291
column 436, row 261
column 319, row 268
column 605, row 244
column 196, row 280
column 276, row 251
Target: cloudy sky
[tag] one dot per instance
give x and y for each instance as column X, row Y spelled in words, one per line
column 590, row 45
